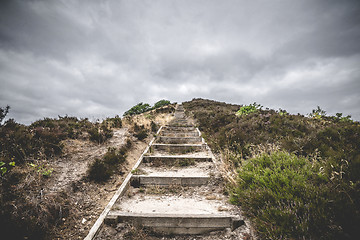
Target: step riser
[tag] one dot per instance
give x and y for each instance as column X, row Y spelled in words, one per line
column 174, row 224
column 179, row 134
column 171, row 160
column 137, row 181
column 179, row 140
column 179, row 128
column 178, row 148
column 185, row 231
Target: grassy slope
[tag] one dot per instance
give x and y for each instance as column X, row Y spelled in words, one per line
column 297, row 177
column 28, row 211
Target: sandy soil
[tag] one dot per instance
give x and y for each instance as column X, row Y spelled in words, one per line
column 86, row 200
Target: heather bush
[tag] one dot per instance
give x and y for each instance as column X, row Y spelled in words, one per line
column 102, row 169
column 311, row 206
column 140, row 132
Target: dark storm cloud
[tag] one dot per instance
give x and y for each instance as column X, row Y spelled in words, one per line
column 100, row 58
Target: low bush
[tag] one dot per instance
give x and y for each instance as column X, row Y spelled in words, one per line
column 154, row 127
column 114, row 122
column 140, row 132
column 99, row 171
column 141, row 135
column 114, row 156
column 290, row 197
column 102, row 169
column 100, row 133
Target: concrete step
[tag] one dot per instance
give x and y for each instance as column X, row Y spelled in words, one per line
column 179, row 134
column 176, row 223
column 172, row 160
column 144, row 180
column 185, row 128
column 179, row 140
column 178, row 148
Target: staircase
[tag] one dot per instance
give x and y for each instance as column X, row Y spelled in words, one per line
column 175, row 189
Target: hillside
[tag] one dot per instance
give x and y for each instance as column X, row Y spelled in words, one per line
column 296, row 177
column 59, row 174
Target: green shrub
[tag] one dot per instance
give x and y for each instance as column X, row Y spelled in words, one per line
column 137, row 109
column 289, row 197
column 144, row 107
column 247, row 109
column 317, row 113
column 161, row 103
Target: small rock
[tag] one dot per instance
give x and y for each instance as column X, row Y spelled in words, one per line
column 120, row 226
column 221, row 208
column 83, row 221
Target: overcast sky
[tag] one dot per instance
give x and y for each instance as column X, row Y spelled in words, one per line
column 99, row 58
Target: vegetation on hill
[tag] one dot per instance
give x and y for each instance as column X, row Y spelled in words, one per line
column 145, row 107
column 296, row 177
column 33, row 157
column 26, row 153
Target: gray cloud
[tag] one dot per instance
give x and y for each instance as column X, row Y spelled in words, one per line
column 100, row 58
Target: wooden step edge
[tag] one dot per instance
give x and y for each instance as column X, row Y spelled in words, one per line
column 175, row 220
column 144, row 180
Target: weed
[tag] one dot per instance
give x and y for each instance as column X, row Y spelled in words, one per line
column 41, row 169
column 185, row 162
column 138, row 171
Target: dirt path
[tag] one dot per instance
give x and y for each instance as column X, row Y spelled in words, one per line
column 85, row 200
